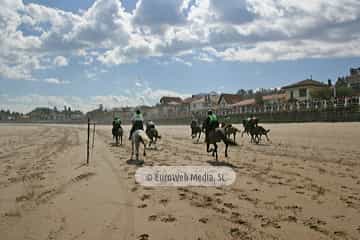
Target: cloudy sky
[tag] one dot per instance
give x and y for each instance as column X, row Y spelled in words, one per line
column 118, row 53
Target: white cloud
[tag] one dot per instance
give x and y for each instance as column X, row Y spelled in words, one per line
column 237, row 30
column 157, row 15
column 180, row 60
column 132, row 97
column 60, row 61
column 55, row 81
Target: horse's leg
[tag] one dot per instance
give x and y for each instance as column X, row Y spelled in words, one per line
column 132, row 149
column 144, row 149
column 257, row 139
column 215, row 150
column 137, row 143
column 226, row 149
column 267, row 137
column 234, row 136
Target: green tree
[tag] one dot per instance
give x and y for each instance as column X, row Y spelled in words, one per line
column 259, row 98
column 344, row 92
column 321, row 93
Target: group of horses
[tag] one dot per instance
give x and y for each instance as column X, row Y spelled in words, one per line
column 225, row 131
column 148, row 138
column 252, row 129
column 222, row 133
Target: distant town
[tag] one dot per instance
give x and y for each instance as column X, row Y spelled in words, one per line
column 308, row 95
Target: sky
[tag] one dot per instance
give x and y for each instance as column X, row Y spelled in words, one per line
column 130, row 52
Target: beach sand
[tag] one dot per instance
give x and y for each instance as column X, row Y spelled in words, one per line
column 304, row 184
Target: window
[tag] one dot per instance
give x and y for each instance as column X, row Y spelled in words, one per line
column 302, row 92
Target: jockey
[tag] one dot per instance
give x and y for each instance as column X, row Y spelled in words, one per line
column 211, row 123
column 117, row 122
column 254, row 121
column 137, row 122
column 212, row 120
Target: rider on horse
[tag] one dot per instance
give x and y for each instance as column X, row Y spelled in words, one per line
column 137, row 122
column 253, row 121
column 211, row 123
column 116, row 125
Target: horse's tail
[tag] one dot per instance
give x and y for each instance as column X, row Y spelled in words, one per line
column 267, row 130
column 144, row 137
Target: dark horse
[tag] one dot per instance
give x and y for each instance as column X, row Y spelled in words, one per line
column 153, row 135
column 257, row 131
column 213, row 136
column 117, row 133
column 195, row 130
column 254, row 131
column 230, row 130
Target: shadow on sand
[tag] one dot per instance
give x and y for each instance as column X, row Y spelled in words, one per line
column 114, row 144
column 135, row 162
column 221, row 163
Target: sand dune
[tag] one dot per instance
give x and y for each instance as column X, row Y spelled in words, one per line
column 304, row 184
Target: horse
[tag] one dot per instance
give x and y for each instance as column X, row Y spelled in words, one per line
column 247, row 127
column 213, row 137
column 117, row 133
column 257, row 131
column 153, row 135
column 230, row 130
column 195, row 130
column 138, row 136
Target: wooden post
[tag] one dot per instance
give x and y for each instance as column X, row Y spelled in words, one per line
column 88, row 141
column 93, row 141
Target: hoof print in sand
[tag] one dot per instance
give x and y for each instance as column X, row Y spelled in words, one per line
column 142, row 206
column 238, row 234
column 229, row 205
column 152, row 218
column 143, row 236
column 144, row 197
column 203, row 220
column 168, row 218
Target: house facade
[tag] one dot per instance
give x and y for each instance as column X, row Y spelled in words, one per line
column 301, row 91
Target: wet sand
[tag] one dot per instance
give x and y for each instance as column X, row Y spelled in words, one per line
column 304, row 184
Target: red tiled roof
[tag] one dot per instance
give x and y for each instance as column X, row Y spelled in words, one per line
column 230, row 98
column 192, row 99
column 304, row 83
column 245, row 102
column 171, row 99
column 274, row 97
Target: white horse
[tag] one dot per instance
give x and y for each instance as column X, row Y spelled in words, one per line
column 139, row 136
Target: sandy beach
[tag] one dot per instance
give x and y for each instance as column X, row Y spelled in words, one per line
column 304, row 184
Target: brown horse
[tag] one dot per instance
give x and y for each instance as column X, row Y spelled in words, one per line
column 214, row 136
column 117, row 133
column 195, row 130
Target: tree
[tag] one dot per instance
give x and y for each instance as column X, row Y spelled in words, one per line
column 344, row 92
column 341, row 82
column 241, row 92
column 321, row 93
column 259, row 98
